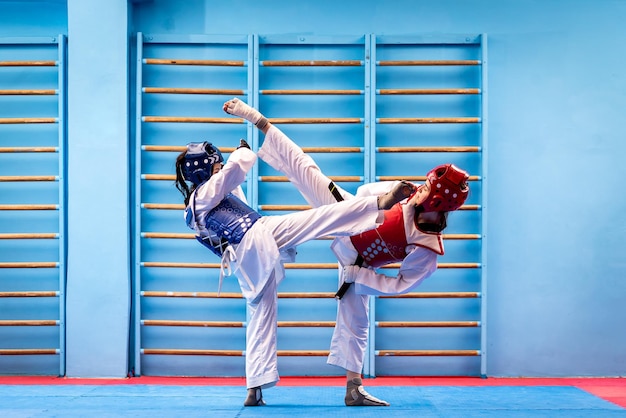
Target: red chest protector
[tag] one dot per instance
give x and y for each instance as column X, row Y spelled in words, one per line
column 385, row 244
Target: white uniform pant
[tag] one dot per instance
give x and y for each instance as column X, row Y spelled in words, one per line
column 349, row 341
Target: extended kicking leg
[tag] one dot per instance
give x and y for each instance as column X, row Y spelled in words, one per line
column 283, row 155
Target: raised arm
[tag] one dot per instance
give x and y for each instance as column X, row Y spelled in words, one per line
column 238, row 108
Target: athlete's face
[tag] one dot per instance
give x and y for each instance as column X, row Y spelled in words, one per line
column 432, row 221
column 429, row 217
column 421, row 194
column 217, row 167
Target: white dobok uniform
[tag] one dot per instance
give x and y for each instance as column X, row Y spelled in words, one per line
column 257, row 260
column 349, row 341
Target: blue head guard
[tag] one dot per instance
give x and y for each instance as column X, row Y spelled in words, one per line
column 199, row 161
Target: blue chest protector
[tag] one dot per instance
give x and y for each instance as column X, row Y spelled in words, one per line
column 226, row 223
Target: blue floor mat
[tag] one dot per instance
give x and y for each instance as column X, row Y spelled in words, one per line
column 156, row 401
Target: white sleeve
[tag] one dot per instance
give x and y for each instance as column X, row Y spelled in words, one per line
column 417, row 266
column 213, row 191
column 375, row 189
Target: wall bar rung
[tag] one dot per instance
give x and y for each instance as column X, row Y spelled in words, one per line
column 461, row 236
column 189, row 119
column 29, row 323
column 28, row 178
column 434, row 295
column 428, row 149
column 312, row 150
column 167, row 206
column 29, row 265
column 28, row 63
column 184, row 352
column 427, row 63
column 28, row 149
column 304, row 63
column 13, row 121
column 30, row 236
column 31, row 294
column 179, row 265
column 306, row 121
column 208, row 324
column 428, row 120
column 28, row 351
column 168, row 177
column 211, row 295
column 427, row 91
column 427, row 324
column 171, row 235
column 209, row 63
column 28, row 92
column 427, row 353
column 29, row 207
column 470, row 207
column 180, row 90
column 311, row 92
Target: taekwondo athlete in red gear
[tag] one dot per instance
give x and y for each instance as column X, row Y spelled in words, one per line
column 410, row 235
column 254, row 247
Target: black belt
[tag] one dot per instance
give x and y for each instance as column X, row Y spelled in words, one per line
column 359, row 260
column 345, row 285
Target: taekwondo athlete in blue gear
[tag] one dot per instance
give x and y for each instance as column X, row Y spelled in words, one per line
column 257, row 246
column 231, row 218
column 410, row 235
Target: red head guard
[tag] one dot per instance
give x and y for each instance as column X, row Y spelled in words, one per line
column 448, row 188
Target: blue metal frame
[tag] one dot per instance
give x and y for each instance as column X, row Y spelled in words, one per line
column 439, row 39
column 369, row 364
column 485, row 159
column 253, row 134
column 62, row 135
column 61, row 57
column 370, row 42
column 250, row 41
column 137, row 203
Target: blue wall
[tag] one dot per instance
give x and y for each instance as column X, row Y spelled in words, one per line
column 556, row 97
